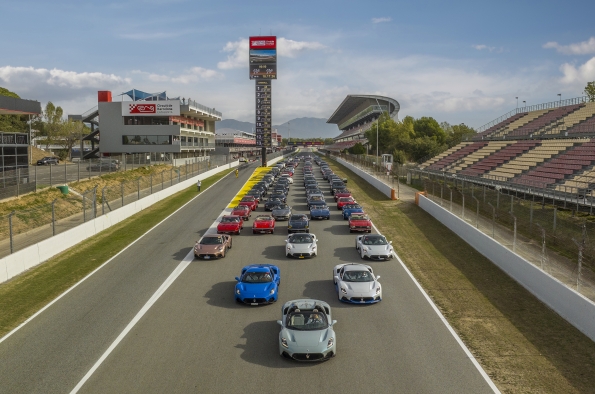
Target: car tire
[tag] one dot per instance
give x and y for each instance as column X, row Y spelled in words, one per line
column 369, row 231
column 253, row 232
column 230, row 244
column 350, row 230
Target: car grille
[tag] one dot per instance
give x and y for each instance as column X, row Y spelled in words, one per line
column 254, row 300
column 360, row 299
column 379, row 257
column 301, row 255
column 308, row 356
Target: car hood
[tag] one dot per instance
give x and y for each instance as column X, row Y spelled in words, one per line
column 261, row 224
column 360, row 222
column 280, row 211
column 210, row 248
column 301, row 247
column 360, row 287
column 227, row 226
column 239, row 212
column 307, row 338
column 299, row 224
column 378, row 248
column 255, row 289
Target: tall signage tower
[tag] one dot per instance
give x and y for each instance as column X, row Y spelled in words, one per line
column 263, row 69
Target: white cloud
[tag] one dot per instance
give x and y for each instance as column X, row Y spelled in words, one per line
column 239, row 50
column 381, row 20
column 579, row 76
column 59, row 78
column 581, row 48
column 482, row 47
column 196, row 74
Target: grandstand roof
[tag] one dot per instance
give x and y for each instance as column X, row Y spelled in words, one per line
column 354, row 103
column 16, row 106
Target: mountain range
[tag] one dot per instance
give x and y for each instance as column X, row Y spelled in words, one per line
column 296, row 128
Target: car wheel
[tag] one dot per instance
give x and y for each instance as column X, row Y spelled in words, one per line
column 253, row 232
column 350, row 230
column 369, row 231
column 223, row 254
column 272, row 231
column 238, row 232
column 362, row 255
column 195, row 256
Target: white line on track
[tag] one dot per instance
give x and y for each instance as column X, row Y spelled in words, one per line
column 101, row 266
column 448, row 326
column 168, row 282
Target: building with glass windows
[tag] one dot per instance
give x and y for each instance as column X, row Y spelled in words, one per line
column 151, row 123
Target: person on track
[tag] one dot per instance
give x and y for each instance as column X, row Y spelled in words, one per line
column 198, row 184
column 237, row 172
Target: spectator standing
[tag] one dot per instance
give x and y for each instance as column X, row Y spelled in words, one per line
column 198, row 183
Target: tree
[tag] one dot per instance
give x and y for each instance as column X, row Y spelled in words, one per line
column 357, row 149
column 52, row 123
column 457, row 133
column 429, row 127
column 12, row 123
column 590, row 91
column 70, row 132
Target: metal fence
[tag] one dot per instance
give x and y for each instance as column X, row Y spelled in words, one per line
column 559, row 240
column 87, row 201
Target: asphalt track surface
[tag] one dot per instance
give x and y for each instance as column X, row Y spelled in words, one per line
column 196, row 338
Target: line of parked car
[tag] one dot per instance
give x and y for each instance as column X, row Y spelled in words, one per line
column 306, row 325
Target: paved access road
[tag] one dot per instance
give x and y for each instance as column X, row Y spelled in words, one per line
column 195, row 338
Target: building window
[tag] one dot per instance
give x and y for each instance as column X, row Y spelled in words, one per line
column 147, row 120
column 146, row 140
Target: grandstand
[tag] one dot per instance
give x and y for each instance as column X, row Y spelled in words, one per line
column 546, row 148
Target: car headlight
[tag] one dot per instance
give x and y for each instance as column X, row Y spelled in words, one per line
column 289, row 226
column 378, row 289
column 330, row 343
column 344, row 291
column 284, row 343
column 272, row 292
column 365, row 249
column 220, row 247
column 238, row 291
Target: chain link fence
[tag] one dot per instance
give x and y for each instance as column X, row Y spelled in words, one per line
column 558, row 238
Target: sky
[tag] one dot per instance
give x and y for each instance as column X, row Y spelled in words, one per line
column 458, row 62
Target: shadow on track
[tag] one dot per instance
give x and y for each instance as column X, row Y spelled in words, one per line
column 221, row 295
column 180, row 254
column 338, row 229
column 347, row 254
column 276, row 252
column 262, row 346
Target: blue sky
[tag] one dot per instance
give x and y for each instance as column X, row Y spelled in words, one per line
column 461, row 63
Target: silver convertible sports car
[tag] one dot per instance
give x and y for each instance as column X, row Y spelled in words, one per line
column 374, row 247
column 307, row 331
column 357, row 284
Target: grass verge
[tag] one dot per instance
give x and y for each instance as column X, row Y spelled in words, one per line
column 24, row 295
column 522, row 345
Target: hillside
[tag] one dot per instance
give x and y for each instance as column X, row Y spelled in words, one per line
column 300, row 127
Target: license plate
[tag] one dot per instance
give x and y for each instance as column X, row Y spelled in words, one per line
column 262, row 231
column 301, row 257
column 207, row 257
column 253, row 303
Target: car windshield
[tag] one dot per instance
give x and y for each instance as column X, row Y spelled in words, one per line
column 319, row 206
column 345, row 199
column 359, row 217
column 211, row 241
column 257, row 277
column 374, row 240
column 306, row 320
column 298, row 217
column 351, row 206
column 228, row 219
column 241, row 208
column 262, row 218
column 357, row 276
column 301, row 239
column 282, row 206
column 248, row 199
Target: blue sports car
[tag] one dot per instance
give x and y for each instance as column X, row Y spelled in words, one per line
column 258, row 284
column 319, row 212
column 351, row 208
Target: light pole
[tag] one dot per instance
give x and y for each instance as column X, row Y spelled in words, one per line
column 377, row 121
column 517, row 102
column 560, row 95
column 524, row 103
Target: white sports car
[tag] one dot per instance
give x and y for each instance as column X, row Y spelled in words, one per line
column 301, row 245
column 374, row 247
column 357, row 284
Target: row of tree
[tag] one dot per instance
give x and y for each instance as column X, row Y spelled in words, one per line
column 50, row 127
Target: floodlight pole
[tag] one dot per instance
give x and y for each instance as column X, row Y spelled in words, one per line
column 377, row 121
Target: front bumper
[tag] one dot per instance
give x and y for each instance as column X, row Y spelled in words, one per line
column 361, row 300
column 378, row 257
column 281, row 217
column 305, row 356
column 254, row 301
column 208, row 256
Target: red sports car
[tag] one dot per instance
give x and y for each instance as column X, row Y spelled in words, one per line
column 263, row 224
column 249, row 201
column 360, row 222
column 230, row 224
column 342, row 193
column 344, row 201
column 242, row 211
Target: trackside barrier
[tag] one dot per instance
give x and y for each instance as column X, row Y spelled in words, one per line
column 24, row 259
column 571, row 305
column 378, row 184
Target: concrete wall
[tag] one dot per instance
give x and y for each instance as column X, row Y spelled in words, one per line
column 33, row 255
column 384, row 188
column 572, row 306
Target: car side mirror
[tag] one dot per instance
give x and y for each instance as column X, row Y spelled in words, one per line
column 287, row 240
column 378, row 277
column 279, row 322
column 238, row 279
column 333, row 323
column 390, row 242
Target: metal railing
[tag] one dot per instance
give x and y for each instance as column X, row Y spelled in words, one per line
column 204, row 108
column 363, row 113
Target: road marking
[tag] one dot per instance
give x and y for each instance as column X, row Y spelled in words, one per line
column 102, row 265
column 446, row 323
column 164, row 286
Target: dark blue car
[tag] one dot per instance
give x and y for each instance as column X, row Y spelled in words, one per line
column 320, row 212
column 258, row 284
column 351, row 208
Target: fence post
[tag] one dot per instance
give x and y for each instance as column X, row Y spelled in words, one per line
column 78, row 173
column 463, row 211
column 171, row 176
column 89, row 167
column 493, row 219
column 514, row 232
column 542, row 245
column 50, row 175
column 138, row 188
column 580, row 247
column 531, row 215
column 441, row 193
column 54, row 217
column 162, row 179
column 497, row 199
column 151, row 178
column 186, row 170
column 511, row 203
column 122, row 191
column 103, row 200
column 555, row 218
column 35, row 179
column 477, row 217
column 10, row 230
column 18, row 180
column 95, row 202
column 84, row 208
column 65, row 173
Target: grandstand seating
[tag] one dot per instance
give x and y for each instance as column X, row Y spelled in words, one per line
column 499, row 126
column 585, row 112
column 586, row 126
column 546, row 122
column 583, row 155
column 489, row 149
column 528, row 118
column 500, row 157
column 444, row 154
column 451, row 158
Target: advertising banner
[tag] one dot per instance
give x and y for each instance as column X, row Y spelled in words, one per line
column 263, row 57
column 151, row 108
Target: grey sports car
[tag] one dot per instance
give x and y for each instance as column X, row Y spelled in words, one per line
column 307, row 331
column 281, row 212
